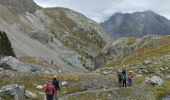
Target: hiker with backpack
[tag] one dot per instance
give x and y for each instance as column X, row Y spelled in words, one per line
column 55, row 82
column 49, row 89
column 120, row 77
column 130, row 78
column 124, row 80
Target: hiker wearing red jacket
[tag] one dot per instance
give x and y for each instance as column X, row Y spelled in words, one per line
column 130, row 78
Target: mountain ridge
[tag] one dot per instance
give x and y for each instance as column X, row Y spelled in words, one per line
column 136, row 24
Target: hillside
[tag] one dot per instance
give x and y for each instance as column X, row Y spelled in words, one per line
column 137, row 24
column 61, row 35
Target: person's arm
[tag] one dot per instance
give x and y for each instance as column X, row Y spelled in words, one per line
column 58, row 85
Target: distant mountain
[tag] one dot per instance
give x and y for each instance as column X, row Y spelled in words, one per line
column 136, row 24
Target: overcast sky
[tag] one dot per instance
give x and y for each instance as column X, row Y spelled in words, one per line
column 100, row 10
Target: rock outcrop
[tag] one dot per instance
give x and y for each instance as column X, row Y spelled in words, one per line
column 16, row 92
column 11, row 63
column 155, row 80
column 20, row 6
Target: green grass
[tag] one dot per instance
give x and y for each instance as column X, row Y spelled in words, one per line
column 163, row 90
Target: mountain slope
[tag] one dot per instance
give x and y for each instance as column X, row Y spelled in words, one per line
column 136, row 24
column 56, row 34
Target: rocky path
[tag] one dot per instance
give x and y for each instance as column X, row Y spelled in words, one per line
column 65, row 97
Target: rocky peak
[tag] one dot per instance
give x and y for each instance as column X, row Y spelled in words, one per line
column 136, row 24
column 20, row 6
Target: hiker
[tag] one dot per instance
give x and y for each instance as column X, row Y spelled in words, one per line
column 55, row 82
column 130, row 77
column 120, row 77
column 49, row 89
column 124, row 80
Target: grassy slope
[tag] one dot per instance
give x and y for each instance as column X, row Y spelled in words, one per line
column 143, row 53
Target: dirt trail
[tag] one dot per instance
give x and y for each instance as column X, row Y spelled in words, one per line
column 65, row 97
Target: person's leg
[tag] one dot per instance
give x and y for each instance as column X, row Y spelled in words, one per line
column 121, row 83
column 125, row 83
column 48, row 97
column 128, row 83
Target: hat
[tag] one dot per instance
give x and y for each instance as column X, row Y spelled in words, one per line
column 55, row 76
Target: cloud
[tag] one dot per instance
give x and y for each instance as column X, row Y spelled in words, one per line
column 100, row 10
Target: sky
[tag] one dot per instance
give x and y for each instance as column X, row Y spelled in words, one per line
column 101, row 10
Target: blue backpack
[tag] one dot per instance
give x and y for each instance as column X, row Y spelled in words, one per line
column 124, row 78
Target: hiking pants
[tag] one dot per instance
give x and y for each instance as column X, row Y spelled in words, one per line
column 120, row 82
column 124, row 83
column 50, row 97
column 130, row 83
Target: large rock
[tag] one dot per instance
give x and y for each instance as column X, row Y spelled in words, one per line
column 155, row 80
column 168, row 77
column 11, row 63
column 16, row 92
column 31, row 95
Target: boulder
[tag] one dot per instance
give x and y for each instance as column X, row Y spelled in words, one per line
column 11, row 63
column 168, row 77
column 142, row 72
column 64, row 83
column 158, row 72
column 17, row 92
column 31, row 95
column 39, row 87
column 155, row 80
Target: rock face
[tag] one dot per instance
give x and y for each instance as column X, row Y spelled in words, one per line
column 155, row 80
column 136, row 24
column 16, row 92
column 60, row 35
column 11, row 63
column 20, row 6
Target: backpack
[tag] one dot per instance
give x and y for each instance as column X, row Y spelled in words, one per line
column 120, row 76
column 124, row 78
column 49, row 88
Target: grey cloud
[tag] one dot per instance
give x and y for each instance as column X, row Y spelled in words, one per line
column 100, row 10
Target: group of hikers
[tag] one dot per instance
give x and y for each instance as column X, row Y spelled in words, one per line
column 123, row 79
column 52, row 89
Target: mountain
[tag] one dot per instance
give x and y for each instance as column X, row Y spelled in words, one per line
column 57, row 35
column 136, row 24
